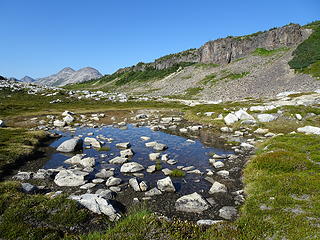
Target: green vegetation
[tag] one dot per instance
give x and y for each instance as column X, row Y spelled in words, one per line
column 26, row 216
column 189, row 93
column 158, row 165
column 306, row 57
column 122, row 78
column 22, row 104
column 190, row 51
column 17, row 144
column 234, row 76
column 104, row 148
column 266, row 52
column 211, row 78
column 177, row 173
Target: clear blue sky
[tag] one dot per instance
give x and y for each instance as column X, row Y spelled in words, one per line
column 40, row 37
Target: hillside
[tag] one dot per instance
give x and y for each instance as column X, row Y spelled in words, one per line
column 230, row 68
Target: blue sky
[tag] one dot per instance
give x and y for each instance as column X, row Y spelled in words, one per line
column 39, row 37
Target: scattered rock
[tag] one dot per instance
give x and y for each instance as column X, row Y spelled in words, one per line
column 228, row 212
column 208, row 222
column 153, row 192
column 123, row 145
column 97, row 204
column 194, row 203
column 309, row 130
column 230, row 119
column 70, row 145
column 126, row 153
column 29, row 188
column 93, row 142
column 154, row 156
column 2, row 124
column 133, row 182
column 266, row 117
column 70, row 178
column 58, row 123
column 166, row 185
column 104, row 173
column 113, row 181
column 218, row 188
column 131, row 167
column 159, row 147
column 118, row 160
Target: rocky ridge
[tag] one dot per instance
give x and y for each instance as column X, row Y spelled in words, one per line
column 69, row 75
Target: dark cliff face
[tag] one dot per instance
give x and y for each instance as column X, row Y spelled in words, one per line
column 227, row 49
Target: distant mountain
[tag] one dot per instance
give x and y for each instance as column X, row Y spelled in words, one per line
column 69, row 75
column 27, row 79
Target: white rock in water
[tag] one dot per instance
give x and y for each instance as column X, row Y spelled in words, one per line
column 70, row 145
column 243, row 115
column 143, row 138
column 118, row 160
column 58, row 123
column 70, row 178
column 217, row 188
column 126, row 153
column 246, row 146
column 97, row 204
column 160, row 147
column 93, row 142
column 154, row 156
column 123, row 145
column 131, row 167
column 194, row 203
column 266, row 117
column 228, row 212
column 150, row 144
column 230, row 119
column 309, row 130
column 113, row 181
column 166, row 185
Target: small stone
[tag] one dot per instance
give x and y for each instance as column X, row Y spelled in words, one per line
column 218, row 164
column 28, row 188
column 223, row 173
column 218, row 188
column 154, row 156
column 153, row 192
column 113, row 181
column 166, row 185
column 123, row 145
column 87, row 186
column 118, row 160
column 228, row 212
column 131, row 167
column 126, row 153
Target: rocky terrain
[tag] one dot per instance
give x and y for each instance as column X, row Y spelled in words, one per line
column 232, row 68
column 69, row 75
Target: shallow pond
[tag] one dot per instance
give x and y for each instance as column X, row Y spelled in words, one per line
column 185, row 152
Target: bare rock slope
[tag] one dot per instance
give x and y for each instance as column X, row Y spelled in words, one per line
column 69, row 75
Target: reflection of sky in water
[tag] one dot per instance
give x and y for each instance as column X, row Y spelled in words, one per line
column 184, row 152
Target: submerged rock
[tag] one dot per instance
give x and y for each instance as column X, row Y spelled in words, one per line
column 194, row 203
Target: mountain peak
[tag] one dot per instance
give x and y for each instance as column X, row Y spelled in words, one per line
column 27, row 79
column 66, row 70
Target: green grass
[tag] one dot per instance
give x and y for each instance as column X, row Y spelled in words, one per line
column 177, row 173
column 306, row 57
column 190, row 51
column 266, row 52
column 211, row 78
column 17, row 144
column 22, row 104
column 190, row 93
column 234, row 76
column 26, row 216
column 158, row 165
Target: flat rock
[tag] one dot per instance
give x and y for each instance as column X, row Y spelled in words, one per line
column 194, row 203
column 154, row 156
column 104, row 173
column 160, row 147
column 150, row 144
column 230, row 119
column 131, row 167
column 93, row 142
column 70, row 178
column 266, row 117
column 123, row 145
column 118, row 160
column 309, row 130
